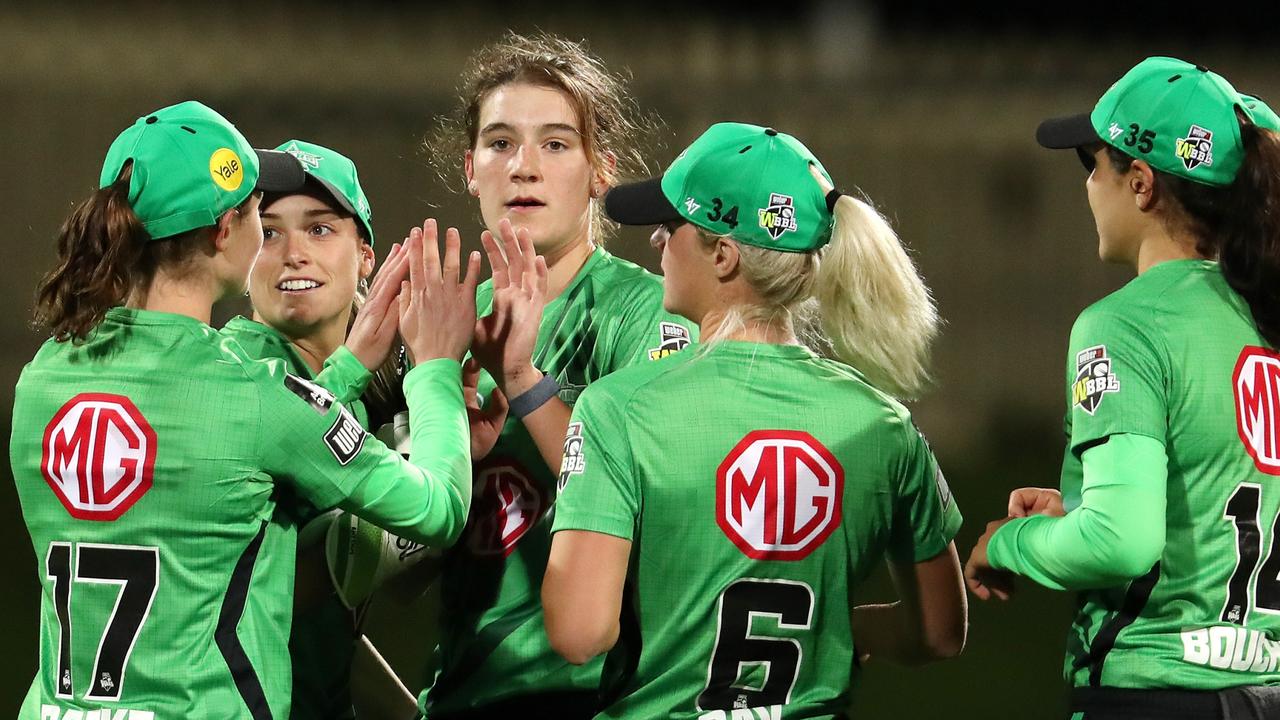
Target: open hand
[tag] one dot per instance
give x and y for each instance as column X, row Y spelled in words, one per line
column 486, row 422
column 374, row 329
column 437, row 311
column 505, row 338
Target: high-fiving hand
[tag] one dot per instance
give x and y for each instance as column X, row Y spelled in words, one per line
column 504, row 339
column 437, row 311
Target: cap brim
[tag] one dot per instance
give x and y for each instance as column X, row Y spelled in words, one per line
column 640, row 203
column 338, row 197
column 278, row 172
column 1067, row 132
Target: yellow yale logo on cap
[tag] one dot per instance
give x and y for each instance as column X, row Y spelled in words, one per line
column 226, row 169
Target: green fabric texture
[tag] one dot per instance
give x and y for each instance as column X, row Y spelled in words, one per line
column 190, row 165
column 322, row 640
column 493, row 646
column 337, row 173
column 1174, row 356
column 744, row 498
column 163, row 399
column 1115, row 535
column 1177, row 116
column 752, row 184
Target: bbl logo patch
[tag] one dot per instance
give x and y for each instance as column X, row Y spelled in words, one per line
column 1093, row 378
column 311, row 160
column 1196, row 148
column 574, row 462
column 780, row 216
column 317, row 397
column 345, row 438
column 675, row 337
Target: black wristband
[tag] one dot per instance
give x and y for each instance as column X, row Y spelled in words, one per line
column 533, row 398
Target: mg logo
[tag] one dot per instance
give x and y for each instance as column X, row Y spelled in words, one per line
column 1257, row 389
column 778, row 494
column 98, row 454
column 505, row 505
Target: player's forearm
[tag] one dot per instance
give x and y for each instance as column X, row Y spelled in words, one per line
column 426, row 498
column 343, row 375
column 1116, row 534
column 885, row 632
column 547, row 426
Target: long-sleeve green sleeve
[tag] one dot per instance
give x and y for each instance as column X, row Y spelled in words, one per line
column 1116, row 534
column 332, row 460
column 343, row 375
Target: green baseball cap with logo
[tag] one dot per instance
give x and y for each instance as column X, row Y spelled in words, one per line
column 746, row 182
column 1177, row 116
column 337, row 174
column 1263, row 115
column 190, row 166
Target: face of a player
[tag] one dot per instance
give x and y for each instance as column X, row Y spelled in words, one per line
column 688, row 271
column 311, row 262
column 529, row 165
column 1114, row 211
column 243, row 244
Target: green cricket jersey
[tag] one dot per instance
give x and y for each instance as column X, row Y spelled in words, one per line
column 493, row 644
column 1174, row 355
column 149, row 461
column 321, row 640
column 759, row 485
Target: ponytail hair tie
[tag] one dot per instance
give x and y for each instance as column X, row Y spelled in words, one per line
column 832, row 197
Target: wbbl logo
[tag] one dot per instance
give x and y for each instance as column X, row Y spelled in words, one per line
column 1196, row 148
column 345, row 438
column 779, row 494
column 1256, row 381
column 675, row 337
column 573, row 463
column 98, row 455
column 780, row 216
column 1093, row 378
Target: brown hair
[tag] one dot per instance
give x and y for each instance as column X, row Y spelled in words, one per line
column 1238, row 224
column 104, row 254
column 612, row 124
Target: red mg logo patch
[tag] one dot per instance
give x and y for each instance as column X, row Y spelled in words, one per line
column 505, row 504
column 1257, row 389
column 98, row 455
column 778, row 494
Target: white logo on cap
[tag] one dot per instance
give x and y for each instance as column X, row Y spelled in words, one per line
column 690, row 205
column 311, row 160
column 1114, row 130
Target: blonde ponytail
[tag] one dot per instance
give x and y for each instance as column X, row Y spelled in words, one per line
column 874, row 310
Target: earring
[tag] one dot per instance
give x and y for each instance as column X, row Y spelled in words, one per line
column 473, row 187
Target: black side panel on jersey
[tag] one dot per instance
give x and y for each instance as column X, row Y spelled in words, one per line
column 225, row 635
column 1134, row 601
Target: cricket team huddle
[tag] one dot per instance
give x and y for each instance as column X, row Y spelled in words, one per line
column 639, row 496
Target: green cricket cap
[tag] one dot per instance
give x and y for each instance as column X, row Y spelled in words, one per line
column 337, row 174
column 190, row 166
column 1177, row 116
column 1263, row 115
column 747, row 182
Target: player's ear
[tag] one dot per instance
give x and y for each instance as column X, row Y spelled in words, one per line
column 222, row 231
column 725, row 257
column 367, row 260
column 469, row 170
column 1141, row 181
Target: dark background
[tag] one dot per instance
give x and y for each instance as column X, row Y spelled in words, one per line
column 930, row 109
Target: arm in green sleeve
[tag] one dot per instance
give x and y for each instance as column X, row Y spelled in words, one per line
column 343, row 375
column 1116, row 534
column 440, row 448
